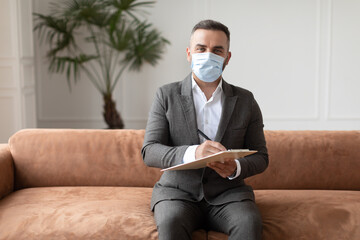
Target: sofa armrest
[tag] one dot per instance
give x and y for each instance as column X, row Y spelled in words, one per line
column 6, row 171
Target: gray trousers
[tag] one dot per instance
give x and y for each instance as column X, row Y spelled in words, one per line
column 177, row 219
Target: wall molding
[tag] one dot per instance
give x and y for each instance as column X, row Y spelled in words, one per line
column 329, row 64
column 95, row 123
column 28, row 18
column 85, row 119
column 7, row 61
column 291, row 118
column 331, row 116
column 27, row 80
column 12, row 95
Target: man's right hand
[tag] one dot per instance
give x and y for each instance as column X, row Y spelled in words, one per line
column 207, row 148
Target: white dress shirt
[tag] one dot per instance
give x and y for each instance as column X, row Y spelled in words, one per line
column 208, row 114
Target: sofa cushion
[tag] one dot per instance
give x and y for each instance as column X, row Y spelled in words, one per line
column 309, row 214
column 79, row 213
column 74, row 157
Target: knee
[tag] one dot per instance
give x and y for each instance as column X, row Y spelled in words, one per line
column 252, row 221
column 169, row 223
column 247, row 226
column 172, row 227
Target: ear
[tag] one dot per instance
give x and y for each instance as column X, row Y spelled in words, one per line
column 188, row 54
column 227, row 59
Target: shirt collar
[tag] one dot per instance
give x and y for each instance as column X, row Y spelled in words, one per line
column 196, row 86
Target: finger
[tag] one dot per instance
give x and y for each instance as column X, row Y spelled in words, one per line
column 217, row 165
column 217, row 145
column 224, row 163
column 229, row 160
column 214, row 144
column 223, row 168
column 209, row 150
column 218, row 170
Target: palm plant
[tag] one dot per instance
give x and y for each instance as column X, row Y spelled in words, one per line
column 120, row 40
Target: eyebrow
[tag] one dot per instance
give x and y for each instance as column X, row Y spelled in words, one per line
column 200, row 45
column 216, row 47
column 219, row 47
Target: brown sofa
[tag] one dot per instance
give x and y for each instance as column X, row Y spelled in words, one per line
column 93, row 184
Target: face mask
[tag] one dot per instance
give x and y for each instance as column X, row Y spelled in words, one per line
column 207, row 66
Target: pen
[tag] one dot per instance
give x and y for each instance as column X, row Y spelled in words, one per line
column 203, row 135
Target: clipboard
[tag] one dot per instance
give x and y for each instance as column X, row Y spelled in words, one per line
column 217, row 157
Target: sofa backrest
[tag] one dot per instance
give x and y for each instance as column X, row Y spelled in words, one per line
column 68, row 157
column 311, row 160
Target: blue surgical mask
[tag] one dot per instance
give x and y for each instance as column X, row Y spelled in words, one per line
column 207, row 66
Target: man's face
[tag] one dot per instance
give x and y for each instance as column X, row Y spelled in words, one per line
column 209, row 41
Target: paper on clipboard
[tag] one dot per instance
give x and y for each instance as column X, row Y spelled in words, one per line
column 217, row 157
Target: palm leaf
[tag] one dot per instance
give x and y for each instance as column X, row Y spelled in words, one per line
column 130, row 7
column 120, row 37
column 71, row 65
column 147, row 45
column 58, row 32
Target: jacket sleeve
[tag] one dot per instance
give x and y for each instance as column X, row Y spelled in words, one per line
column 255, row 140
column 157, row 150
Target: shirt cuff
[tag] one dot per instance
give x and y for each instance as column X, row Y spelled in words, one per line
column 189, row 155
column 238, row 170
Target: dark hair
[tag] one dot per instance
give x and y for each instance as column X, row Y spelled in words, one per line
column 212, row 25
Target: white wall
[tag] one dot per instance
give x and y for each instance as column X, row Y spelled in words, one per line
column 17, row 83
column 300, row 58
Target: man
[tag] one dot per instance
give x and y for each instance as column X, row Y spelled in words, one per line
column 184, row 114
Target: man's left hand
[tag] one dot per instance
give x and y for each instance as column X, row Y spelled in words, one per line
column 225, row 169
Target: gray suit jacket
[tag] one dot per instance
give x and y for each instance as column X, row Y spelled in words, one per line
column 172, row 127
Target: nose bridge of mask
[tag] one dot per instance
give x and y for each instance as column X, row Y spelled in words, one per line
column 207, row 57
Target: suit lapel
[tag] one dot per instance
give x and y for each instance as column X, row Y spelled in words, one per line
column 228, row 107
column 187, row 103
